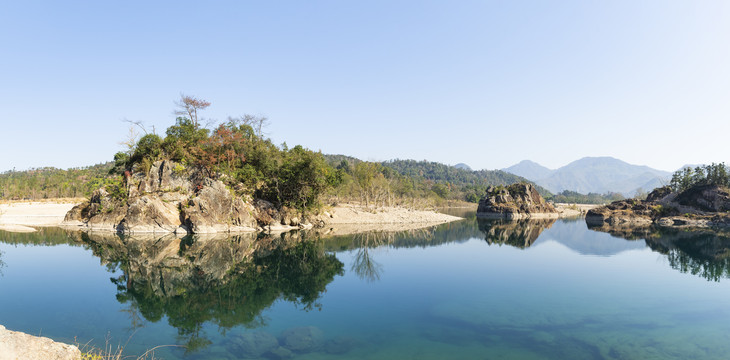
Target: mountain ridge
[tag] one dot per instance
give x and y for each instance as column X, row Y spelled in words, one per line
column 593, row 175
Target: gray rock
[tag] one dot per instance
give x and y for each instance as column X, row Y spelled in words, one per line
column 340, row 345
column 17, row 345
column 516, row 201
column 280, row 353
column 253, row 344
column 302, row 339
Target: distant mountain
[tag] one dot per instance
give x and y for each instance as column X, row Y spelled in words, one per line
column 463, row 166
column 594, row 175
column 529, row 170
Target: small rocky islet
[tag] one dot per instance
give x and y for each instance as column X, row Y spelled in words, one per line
column 514, row 202
column 170, row 198
column 697, row 206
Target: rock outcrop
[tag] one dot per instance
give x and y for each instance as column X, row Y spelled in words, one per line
column 17, row 345
column 516, row 201
column 169, row 198
column 698, row 206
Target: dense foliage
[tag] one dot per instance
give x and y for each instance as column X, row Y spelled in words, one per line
column 235, row 154
column 44, row 183
column 455, row 183
column 573, row 197
column 714, row 174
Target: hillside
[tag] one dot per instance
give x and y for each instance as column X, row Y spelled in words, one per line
column 49, row 182
column 431, row 178
column 593, row 175
column 529, row 170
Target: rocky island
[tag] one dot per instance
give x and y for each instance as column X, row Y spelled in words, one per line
column 700, row 205
column 516, row 201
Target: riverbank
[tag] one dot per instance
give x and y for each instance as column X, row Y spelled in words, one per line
column 24, row 216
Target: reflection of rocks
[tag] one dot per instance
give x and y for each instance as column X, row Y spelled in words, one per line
column 516, row 201
column 225, row 280
column 521, row 234
column 702, row 252
column 252, row 344
column 302, row 339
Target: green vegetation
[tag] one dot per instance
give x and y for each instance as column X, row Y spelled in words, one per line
column 237, row 153
column 572, row 197
column 46, row 183
column 715, row 174
column 398, row 182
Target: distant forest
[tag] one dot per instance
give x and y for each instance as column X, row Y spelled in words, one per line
column 379, row 183
column 49, row 182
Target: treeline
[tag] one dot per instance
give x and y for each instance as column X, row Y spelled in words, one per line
column 572, row 197
column 49, row 182
column 714, row 174
column 237, row 153
column 405, row 179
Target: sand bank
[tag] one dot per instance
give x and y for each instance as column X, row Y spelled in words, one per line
column 22, row 216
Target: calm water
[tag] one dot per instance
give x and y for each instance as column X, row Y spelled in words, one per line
column 466, row 290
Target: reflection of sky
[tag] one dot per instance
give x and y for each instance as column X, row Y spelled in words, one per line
column 64, row 291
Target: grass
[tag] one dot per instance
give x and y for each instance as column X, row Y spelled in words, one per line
column 110, row 352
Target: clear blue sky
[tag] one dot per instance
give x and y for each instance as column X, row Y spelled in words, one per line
column 488, row 83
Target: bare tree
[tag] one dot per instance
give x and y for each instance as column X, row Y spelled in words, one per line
column 257, row 123
column 140, row 125
column 189, row 105
column 131, row 140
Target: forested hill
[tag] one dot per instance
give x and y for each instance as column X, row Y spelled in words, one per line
column 49, row 182
column 461, row 177
column 444, row 180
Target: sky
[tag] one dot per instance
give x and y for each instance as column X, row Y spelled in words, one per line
column 486, row 83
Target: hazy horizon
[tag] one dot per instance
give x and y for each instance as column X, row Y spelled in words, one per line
column 485, row 83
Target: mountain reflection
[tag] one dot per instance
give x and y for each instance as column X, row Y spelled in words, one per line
column 701, row 252
column 227, row 281
column 521, row 234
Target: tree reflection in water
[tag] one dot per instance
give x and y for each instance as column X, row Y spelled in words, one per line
column 2, row 264
column 227, row 281
column 363, row 264
column 700, row 252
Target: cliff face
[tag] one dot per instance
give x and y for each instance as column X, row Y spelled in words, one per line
column 170, row 198
column 516, row 201
column 698, row 206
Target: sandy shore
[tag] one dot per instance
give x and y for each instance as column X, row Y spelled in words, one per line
column 23, row 216
column 573, row 210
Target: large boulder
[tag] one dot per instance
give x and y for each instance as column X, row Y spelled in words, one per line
column 252, row 345
column 17, row 345
column 516, row 201
column 302, row 339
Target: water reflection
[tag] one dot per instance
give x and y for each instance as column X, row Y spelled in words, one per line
column 701, row 252
column 520, row 234
column 221, row 280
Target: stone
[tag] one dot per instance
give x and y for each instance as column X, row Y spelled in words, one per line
column 253, row 344
column 516, row 201
column 17, row 345
column 280, row 353
column 340, row 345
column 302, row 339
column 166, row 199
